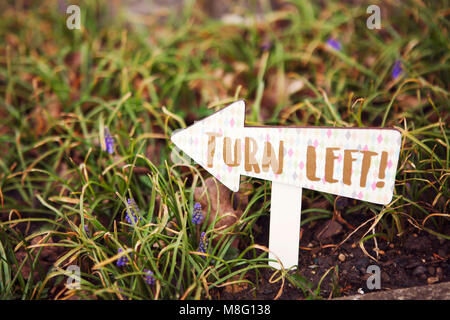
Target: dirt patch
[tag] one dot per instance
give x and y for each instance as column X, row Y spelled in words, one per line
column 416, row 259
column 40, row 246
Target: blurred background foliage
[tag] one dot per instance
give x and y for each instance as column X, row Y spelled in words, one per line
column 145, row 68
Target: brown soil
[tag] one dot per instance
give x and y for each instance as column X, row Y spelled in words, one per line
column 415, row 259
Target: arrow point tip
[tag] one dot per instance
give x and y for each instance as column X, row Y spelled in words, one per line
column 175, row 136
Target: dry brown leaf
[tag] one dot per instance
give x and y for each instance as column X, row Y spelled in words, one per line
column 47, row 257
column 236, row 285
column 330, row 228
column 220, row 197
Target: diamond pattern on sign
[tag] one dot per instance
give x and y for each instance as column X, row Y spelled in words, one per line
column 229, row 122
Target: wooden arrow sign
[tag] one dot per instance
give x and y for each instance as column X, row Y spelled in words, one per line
column 358, row 163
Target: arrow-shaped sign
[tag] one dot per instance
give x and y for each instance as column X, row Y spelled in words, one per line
column 358, row 163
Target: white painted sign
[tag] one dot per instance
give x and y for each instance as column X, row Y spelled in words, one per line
column 358, row 163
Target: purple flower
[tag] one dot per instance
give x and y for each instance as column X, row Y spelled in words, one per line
column 197, row 216
column 149, row 279
column 122, row 261
column 203, row 246
column 132, row 214
column 397, row 70
column 266, row 46
column 335, row 44
column 109, row 142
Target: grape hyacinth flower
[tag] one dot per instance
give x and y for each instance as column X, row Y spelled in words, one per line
column 122, row 261
column 109, row 142
column 397, row 70
column 203, row 246
column 132, row 214
column 149, row 279
column 266, row 46
column 335, row 44
column 86, row 229
column 197, row 216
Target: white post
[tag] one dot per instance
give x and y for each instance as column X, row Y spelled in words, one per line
column 285, row 215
